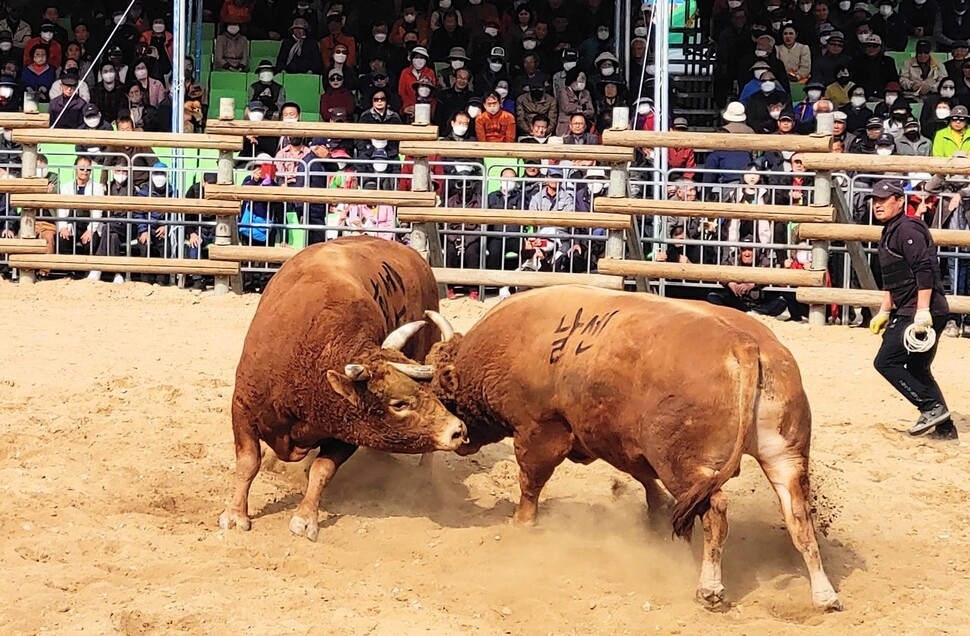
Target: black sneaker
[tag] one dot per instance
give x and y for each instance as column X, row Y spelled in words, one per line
column 946, row 431
column 930, row 418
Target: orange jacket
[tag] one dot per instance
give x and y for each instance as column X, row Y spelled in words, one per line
column 329, row 43
column 497, row 127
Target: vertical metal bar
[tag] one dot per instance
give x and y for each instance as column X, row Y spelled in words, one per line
column 224, row 234
column 822, row 196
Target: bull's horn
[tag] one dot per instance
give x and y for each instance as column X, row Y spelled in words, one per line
column 414, row 371
column 356, row 372
column 400, row 336
column 447, row 331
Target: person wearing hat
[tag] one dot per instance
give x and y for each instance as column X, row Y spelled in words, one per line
column 605, row 66
column 66, row 110
column 46, row 38
column 608, row 94
column 864, row 141
column 838, row 92
column 336, row 36
column 885, row 145
column 724, row 166
column 407, row 83
column 874, row 69
column 424, row 88
column 764, row 51
column 494, row 69
column 890, row 26
column 533, row 101
column 804, row 110
column 336, row 96
column 764, row 107
column 922, row 73
column 954, row 65
column 456, row 60
column 681, row 158
column 8, row 52
column 410, row 21
column 913, row 297
column 857, row 113
column 11, row 97
column 569, row 58
column 267, row 90
column 231, row 52
column 299, row 53
column 832, row 57
column 954, row 136
column 911, row 142
column 484, row 38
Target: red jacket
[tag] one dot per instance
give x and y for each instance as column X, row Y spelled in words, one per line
column 682, row 158
column 409, row 96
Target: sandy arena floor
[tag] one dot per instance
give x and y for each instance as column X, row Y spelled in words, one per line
column 116, row 460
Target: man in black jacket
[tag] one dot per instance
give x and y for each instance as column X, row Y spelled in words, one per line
column 913, row 301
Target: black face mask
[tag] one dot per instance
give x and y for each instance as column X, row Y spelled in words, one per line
column 536, row 94
column 842, row 80
column 297, row 141
column 912, row 135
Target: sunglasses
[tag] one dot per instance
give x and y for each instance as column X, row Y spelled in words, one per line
column 84, row 169
column 963, row 119
column 379, row 99
column 337, row 78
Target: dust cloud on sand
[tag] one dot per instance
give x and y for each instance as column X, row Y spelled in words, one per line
column 116, row 460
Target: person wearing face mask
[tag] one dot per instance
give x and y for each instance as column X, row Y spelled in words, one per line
column 92, row 121
column 145, row 116
column 299, row 53
column 954, row 136
column 573, row 99
column 379, row 112
column 945, row 94
column 424, row 89
column 377, row 46
column 764, row 51
column 308, row 14
column 890, row 26
column 449, row 36
column 411, row 76
column 892, row 93
column 874, row 69
column 267, row 90
column 838, row 92
column 38, row 76
column 753, row 84
column 347, row 55
column 804, row 110
column 503, row 251
column 11, row 97
column 159, row 38
column 569, row 60
column 477, row 14
column 606, row 66
column 922, row 73
column 456, row 61
column 592, row 49
column 482, row 41
column 898, row 114
column 856, row 111
column 45, row 38
column 534, row 101
column 495, row 125
column 66, row 109
column 764, row 107
column 153, row 89
column 109, row 94
column 864, row 140
column 231, row 52
column 136, row 161
column 151, row 234
column 8, row 52
column 18, row 28
column 337, row 95
column 912, row 143
column 288, row 160
column 410, row 21
column 493, row 71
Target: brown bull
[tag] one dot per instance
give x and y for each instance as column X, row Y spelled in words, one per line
column 674, row 390
column 321, row 368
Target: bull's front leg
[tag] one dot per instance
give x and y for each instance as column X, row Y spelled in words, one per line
column 539, row 448
column 333, row 453
column 710, row 590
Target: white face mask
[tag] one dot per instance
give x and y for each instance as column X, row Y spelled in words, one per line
column 339, row 58
column 761, row 54
column 579, row 85
column 444, row 4
column 266, row 77
column 6, row 46
column 379, row 144
column 805, row 6
column 814, row 95
column 644, row 109
column 457, row 64
column 607, row 71
column 845, row 5
column 474, row 111
column 529, row 45
column 508, row 185
column 734, row 4
column 492, row 110
column 158, row 28
column 767, row 86
column 419, row 63
column 495, row 67
column 942, row 113
column 596, row 187
column 920, row 2
column 256, row 115
column 774, row 114
column 602, row 35
column 884, row 151
column 885, row 10
column 120, row 177
column 109, row 77
column 459, row 129
column 651, row 69
column 6, row 92
column 118, row 18
column 159, row 180
column 380, row 166
column 409, row 17
column 858, row 101
column 891, row 98
column 491, row 32
column 380, row 37
column 92, row 122
column 640, row 32
column 46, row 36
column 341, row 165
column 474, row 2
column 502, row 91
column 568, row 66
column 424, row 91
column 947, row 92
column 141, row 73
column 232, row 29
column 42, row 172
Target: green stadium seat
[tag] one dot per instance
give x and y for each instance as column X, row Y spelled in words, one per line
column 304, row 89
column 312, row 116
column 917, row 109
column 797, row 92
column 208, row 31
column 228, row 81
column 440, row 66
column 900, row 57
column 263, row 50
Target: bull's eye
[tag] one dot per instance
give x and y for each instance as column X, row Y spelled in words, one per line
column 398, row 405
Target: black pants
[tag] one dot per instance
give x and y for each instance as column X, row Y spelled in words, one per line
column 769, row 304
column 910, row 373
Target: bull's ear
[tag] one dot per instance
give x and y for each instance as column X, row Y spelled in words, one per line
column 344, row 386
column 447, row 377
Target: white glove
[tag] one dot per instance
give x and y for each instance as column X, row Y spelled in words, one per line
column 922, row 321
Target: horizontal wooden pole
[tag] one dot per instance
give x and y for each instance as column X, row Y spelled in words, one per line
column 119, row 139
column 125, row 204
column 482, row 150
column 864, row 298
column 246, row 253
column 15, row 121
column 30, row 185
column 513, row 217
column 338, row 130
column 22, row 246
column 704, row 209
column 717, row 141
column 122, row 264
column 873, row 164
column 871, row 233
column 499, row 278
column 716, row 273
column 318, row 195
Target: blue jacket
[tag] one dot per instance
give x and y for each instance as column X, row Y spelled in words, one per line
column 258, row 215
column 148, row 190
column 720, row 161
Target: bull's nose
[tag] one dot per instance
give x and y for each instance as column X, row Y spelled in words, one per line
column 454, row 435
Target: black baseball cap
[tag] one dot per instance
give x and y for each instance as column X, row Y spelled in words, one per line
column 885, row 189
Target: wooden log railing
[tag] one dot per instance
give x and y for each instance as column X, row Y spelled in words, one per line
column 719, row 141
column 871, row 233
column 123, row 264
column 318, row 195
column 703, row 209
column 22, row 246
column 29, row 185
column 120, row 139
column 532, row 152
column 331, row 130
column 125, row 204
column 17, row 121
column 871, row 164
column 864, row 298
column 718, row 273
column 513, row 217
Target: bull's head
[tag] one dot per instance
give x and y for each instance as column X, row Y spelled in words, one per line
column 399, row 413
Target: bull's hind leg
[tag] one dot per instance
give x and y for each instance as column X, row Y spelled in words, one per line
column 539, row 448
column 248, row 459
column 788, row 473
column 333, row 453
column 710, row 590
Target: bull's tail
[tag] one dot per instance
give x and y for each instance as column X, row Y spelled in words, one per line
column 697, row 500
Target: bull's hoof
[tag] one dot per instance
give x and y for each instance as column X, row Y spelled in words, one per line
column 524, row 521
column 305, row 527
column 234, row 519
column 828, row 603
column 712, row 599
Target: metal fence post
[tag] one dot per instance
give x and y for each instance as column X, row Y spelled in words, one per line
column 28, row 216
column 823, row 196
column 424, row 236
column 226, row 230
